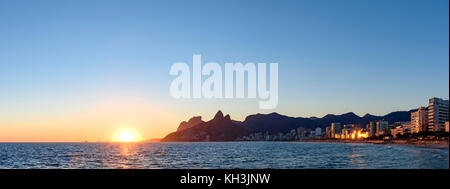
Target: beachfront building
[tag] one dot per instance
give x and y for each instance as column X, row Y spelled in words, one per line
column 372, row 128
column 318, row 131
column 438, row 112
column 293, row 134
column 335, row 129
column 397, row 130
column 382, row 125
column 446, row 126
column 346, row 133
column 357, row 126
column 410, row 127
column 301, row 132
column 419, row 120
column 350, row 126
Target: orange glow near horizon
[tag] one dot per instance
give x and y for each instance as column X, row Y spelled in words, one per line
column 126, row 135
column 98, row 121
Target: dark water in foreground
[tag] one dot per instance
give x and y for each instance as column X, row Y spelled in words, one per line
column 227, row 155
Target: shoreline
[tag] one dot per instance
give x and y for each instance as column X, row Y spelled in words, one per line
column 438, row 144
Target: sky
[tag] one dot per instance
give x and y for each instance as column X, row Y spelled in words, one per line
column 80, row 70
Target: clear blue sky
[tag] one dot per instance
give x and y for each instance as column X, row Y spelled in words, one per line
column 60, row 57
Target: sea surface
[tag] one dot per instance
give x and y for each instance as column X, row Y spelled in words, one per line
column 222, row 155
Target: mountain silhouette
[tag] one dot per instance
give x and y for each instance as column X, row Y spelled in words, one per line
column 274, row 122
column 192, row 122
column 220, row 128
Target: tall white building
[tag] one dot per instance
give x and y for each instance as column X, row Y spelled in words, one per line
column 419, row 120
column 438, row 111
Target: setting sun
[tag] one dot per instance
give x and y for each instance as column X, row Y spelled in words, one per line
column 126, row 135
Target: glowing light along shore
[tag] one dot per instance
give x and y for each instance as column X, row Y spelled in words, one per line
column 355, row 135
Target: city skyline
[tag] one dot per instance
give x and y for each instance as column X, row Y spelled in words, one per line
column 422, row 122
column 66, row 76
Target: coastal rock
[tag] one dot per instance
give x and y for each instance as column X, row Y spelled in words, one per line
column 191, row 123
column 220, row 128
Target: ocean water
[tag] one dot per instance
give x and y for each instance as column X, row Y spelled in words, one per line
column 223, row 155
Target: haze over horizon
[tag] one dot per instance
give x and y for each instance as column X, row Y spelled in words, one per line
column 81, row 70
